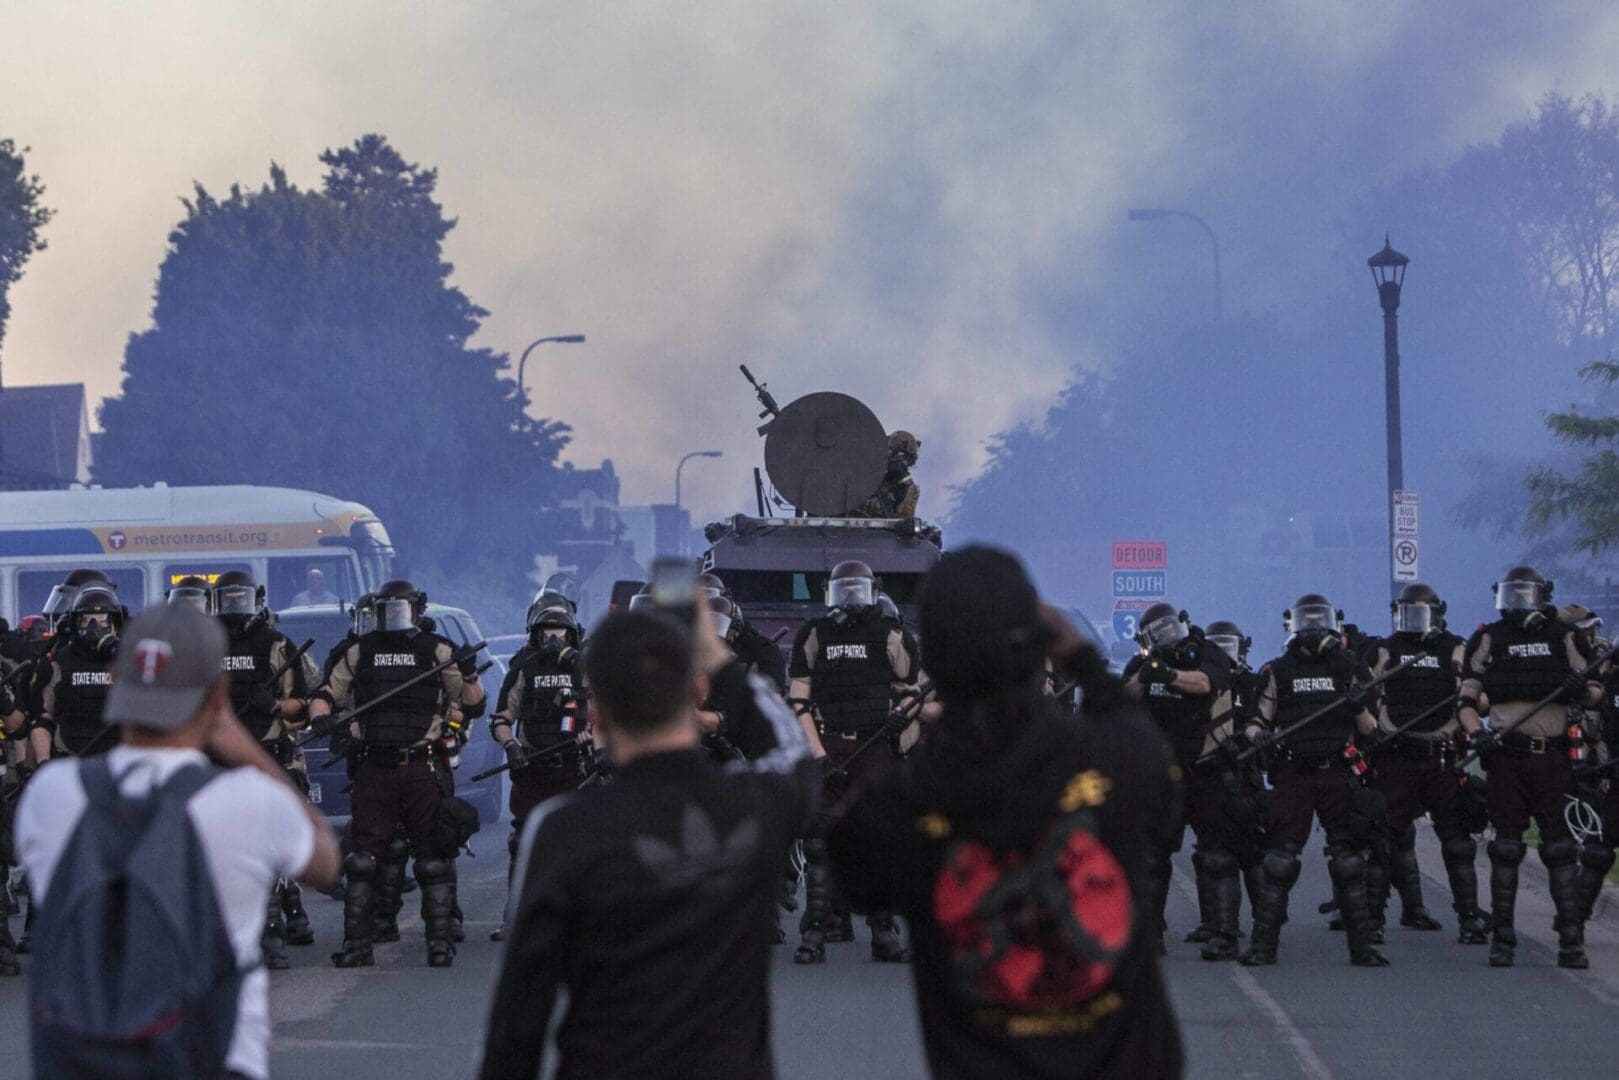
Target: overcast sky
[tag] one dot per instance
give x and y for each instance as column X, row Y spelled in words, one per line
column 904, row 201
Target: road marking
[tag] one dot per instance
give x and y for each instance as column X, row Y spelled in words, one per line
column 1310, row 1063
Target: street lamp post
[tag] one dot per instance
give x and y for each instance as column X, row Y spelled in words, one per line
column 1150, row 214
column 1388, row 270
column 678, row 468
column 522, row 362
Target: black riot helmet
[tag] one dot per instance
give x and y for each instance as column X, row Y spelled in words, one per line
column 557, row 618
column 1417, row 610
column 190, row 591
column 1522, row 589
column 237, row 597
column 889, row 609
column 96, row 610
column 60, row 601
column 1315, row 624
column 399, row 604
column 722, row 610
column 1162, row 626
column 852, row 587
column 1229, row 638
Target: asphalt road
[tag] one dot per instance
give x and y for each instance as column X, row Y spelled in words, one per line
column 1439, row 1011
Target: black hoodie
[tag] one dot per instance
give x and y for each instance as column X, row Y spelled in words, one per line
column 897, row 843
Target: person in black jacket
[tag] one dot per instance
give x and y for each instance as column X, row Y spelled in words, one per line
column 648, row 898
column 1017, row 843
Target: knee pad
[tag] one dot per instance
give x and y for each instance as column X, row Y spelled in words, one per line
column 434, row 871
column 1506, row 852
column 1597, row 857
column 1559, row 851
column 360, row 866
column 1346, row 866
column 1282, row 865
column 1219, row 863
column 1200, row 860
column 1407, row 840
column 1461, row 849
column 398, row 850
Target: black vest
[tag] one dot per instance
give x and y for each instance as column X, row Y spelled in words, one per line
column 1610, row 711
column 1244, row 692
column 1183, row 718
column 852, row 680
column 1305, row 684
column 539, row 724
column 81, row 693
column 247, row 662
column 1422, row 685
column 389, row 660
column 1525, row 665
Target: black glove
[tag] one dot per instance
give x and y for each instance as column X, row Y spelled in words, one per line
column 1156, row 671
column 1357, row 696
column 1263, row 739
column 896, row 723
column 323, row 725
column 1575, row 688
column 516, row 755
column 467, row 664
column 1483, row 743
column 263, row 701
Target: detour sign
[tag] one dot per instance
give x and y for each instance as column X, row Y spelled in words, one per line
column 1140, row 555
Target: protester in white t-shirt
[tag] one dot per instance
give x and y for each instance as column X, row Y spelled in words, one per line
column 173, row 702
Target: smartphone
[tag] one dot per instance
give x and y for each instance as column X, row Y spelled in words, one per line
column 674, row 587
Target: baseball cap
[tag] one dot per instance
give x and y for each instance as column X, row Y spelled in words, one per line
column 168, row 660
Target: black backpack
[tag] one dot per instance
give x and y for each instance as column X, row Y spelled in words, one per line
column 134, row 975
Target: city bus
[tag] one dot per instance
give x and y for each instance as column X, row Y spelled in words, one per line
column 147, row 538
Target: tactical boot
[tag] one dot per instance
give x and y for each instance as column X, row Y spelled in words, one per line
column 1281, row 870
column 1564, row 881
column 1347, row 868
column 1376, row 883
column 360, row 874
column 817, row 906
column 498, row 933
column 1407, row 877
column 390, row 891
column 1460, row 854
column 1225, row 895
column 437, row 879
column 9, row 964
column 1253, row 880
column 292, row 906
column 1204, row 930
column 886, row 946
column 273, row 941
column 840, row 928
column 1505, row 856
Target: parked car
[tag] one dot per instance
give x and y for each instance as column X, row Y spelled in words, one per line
column 328, row 777
column 503, row 647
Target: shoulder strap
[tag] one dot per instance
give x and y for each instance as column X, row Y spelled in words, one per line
column 96, row 776
column 188, row 780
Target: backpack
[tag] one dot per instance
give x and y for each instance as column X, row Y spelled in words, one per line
column 134, row 974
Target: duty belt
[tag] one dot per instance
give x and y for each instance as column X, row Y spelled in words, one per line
column 1528, row 745
column 1420, row 749
column 1314, row 762
column 396, row 756
column 848, row 734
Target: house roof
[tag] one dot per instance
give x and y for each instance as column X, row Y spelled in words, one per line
column 39, row 431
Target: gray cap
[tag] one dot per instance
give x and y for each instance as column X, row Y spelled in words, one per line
column 168, row 660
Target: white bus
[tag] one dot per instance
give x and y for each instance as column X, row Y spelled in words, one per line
column 145, row 539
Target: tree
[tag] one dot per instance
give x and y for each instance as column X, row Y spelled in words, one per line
column 22, row 218
column 313, row 339
column 1587, row 497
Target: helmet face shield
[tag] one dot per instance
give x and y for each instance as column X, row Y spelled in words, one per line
column 850, row 592
column 1164, row 632
column 1229, row 644
column 58, row 601
column 235, row 600
column 189, row 596
column 1520, row 595
column 1305, row 618
column 1413, row 618
column 395, row 614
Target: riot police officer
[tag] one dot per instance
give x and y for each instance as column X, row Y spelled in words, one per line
column 12, row 723
column 1178, row 678
column 1597, row 851
column 412, row 677
column 79, row 674
column 1522, row 657
column 1245, row 793
column 845, row 668
column 267, row 691
column 898, row 496
column 1413, row 768
column 191, row 591
column 759, row 653
column 542, row 722
column 1314, row 778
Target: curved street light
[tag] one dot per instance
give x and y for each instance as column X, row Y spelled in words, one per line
column 522, row 363
column 1152, row 214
